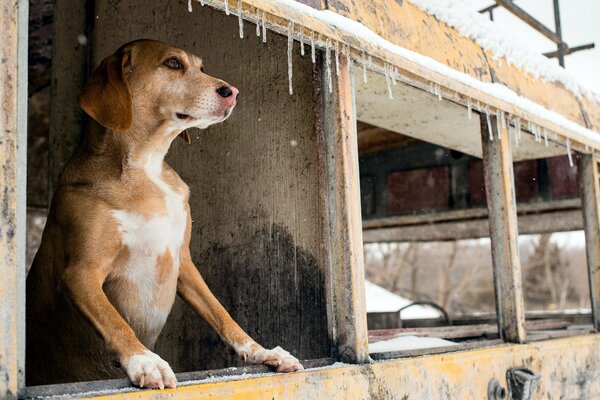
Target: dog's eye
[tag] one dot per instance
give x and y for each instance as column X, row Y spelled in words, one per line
column 202, row 68
column 173, row 63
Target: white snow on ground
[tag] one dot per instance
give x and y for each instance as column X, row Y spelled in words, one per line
column 382, row 300
column 408, row 342
column 351, row 27
column 502, row 42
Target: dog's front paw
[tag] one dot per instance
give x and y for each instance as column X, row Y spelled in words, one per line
column 148, row 370
column 277, row 358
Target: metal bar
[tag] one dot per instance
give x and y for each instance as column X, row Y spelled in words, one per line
column 571, row 50
column 13, row 164
column 350, row 336
column 502, row 211
column 558, row 30
column 534, row 23
column 590, row 195
column 488, row 9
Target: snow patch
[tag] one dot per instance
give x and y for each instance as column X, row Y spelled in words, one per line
column 408, row 342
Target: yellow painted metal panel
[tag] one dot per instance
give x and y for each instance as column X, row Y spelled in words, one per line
column 569, row 369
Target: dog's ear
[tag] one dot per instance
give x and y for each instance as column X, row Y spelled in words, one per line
column 185, row 135
column 106, row 96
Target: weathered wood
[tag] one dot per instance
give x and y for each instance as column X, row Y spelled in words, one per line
column 502, row 215
column 13, row 166
column 590, row 196
column 345, row 232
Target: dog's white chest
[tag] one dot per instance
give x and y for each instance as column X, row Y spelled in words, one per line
column 152, row 266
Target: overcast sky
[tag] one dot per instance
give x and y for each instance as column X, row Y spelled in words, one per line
column 580, row 24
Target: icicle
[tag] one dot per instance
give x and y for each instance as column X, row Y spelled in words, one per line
column 394, row 76
column 257, row 23
column 302, row 43
column 337, row 59
column 312, row 47
column 190, row 5
column 388, row 81
column 226, row 7
column 469, row 108
column 545, row 136
column 515, row 133
column 202, row 3
column 569, row 152
column 290, row 48
column 503, row 119
column 478, row 106
column 498, row 124
column 328, row 64
column 264, row 28
column 240, row 19
column 519, row 130
column 489, row 122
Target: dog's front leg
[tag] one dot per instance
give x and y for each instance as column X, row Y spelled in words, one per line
column 192, row 288
column 144, row 368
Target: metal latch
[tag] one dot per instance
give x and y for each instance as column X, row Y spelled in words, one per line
column 522, row 383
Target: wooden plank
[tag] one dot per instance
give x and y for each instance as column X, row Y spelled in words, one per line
column 13, row 166
column 502, row 211
column 345, row 233
column 590, row 196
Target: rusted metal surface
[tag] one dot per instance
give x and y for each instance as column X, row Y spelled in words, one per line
column 13, row 145
column 440, row 376
column 502, row 215
column 590, row 197
column 345, row 233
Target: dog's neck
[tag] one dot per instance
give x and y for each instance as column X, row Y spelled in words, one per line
column 141, row 148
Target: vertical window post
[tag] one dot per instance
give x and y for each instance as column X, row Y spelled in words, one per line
column 13, row 155
column 502, row 214
column 590, row 206
column 350, row 336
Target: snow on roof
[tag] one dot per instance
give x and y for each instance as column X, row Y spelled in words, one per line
column 502, row 42
column 476, row 26
column 382, row 300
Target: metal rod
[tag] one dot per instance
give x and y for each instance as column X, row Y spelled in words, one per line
column 534, row 23
column 571, row 50
column 561, row 46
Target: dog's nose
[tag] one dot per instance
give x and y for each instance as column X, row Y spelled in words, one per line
column 227, row 91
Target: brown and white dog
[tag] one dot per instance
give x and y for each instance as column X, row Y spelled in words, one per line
column 115, row 250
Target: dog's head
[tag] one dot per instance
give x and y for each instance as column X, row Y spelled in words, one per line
column 151, row 82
